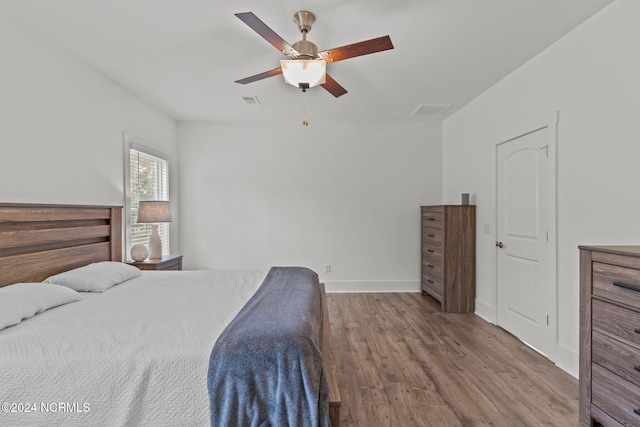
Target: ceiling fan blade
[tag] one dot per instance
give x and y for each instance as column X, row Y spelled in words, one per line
column 357, row 49
column 333, row 87
column 267, row 33
column 270, row 73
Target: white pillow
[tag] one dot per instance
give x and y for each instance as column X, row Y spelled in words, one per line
column 97, row 277
column 24, row 300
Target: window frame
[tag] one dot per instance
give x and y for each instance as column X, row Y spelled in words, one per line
column 133, row 143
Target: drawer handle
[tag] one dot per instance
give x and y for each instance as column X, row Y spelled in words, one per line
column 431, row 235
column 637, row 368
column 430, row 250
column 637, row 330
column 637, row 411
column 431, row 219
column 430, row 281
column 429, row 265
column 625, row 286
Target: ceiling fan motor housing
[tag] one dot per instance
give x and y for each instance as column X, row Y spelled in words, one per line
column 306, row 49
column 304, row 20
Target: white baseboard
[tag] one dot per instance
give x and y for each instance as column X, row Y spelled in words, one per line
column 485, row 311
column 372, row 285
column 567, row 360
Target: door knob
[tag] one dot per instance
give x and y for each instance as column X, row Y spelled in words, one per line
column 499, row 244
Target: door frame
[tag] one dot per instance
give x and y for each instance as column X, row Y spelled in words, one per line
column 550, row 122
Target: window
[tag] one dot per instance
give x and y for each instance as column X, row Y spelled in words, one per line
column 146, row 178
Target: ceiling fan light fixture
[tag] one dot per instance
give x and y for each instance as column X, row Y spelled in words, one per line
column 307, row 71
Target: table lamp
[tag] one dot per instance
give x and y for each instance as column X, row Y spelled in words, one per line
column 153, row 212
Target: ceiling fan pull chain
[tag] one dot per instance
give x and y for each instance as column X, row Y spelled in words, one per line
column 305, row 101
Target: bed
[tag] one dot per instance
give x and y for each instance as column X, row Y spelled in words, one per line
column 139, row 353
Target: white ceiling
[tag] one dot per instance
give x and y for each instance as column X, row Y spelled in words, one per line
column 183, row 56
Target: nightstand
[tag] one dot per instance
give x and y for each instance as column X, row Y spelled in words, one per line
column 167, row 262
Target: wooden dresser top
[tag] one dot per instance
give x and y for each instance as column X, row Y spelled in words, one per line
column 618, row 250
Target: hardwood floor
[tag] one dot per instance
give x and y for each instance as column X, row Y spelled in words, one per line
column 402, row 362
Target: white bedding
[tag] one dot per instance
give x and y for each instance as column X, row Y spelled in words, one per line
column 136, row 355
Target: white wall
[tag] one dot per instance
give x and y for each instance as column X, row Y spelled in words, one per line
column 61, row 125
column 591, row 77
column 345, row 194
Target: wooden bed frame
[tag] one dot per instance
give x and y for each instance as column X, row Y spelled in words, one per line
column 40, row 240
column 329, row 365
column 37, row 241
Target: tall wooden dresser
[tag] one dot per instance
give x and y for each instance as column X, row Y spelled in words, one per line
column 449, row 256
column 609, row 335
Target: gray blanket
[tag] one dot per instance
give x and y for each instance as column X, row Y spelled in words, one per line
column 266, row 367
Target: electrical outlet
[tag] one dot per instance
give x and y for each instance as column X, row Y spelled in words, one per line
column 327, row 268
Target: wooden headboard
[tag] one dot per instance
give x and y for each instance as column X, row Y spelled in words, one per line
column 38, row 240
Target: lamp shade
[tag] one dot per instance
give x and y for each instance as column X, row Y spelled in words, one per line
column 308, row 71
column 154, row 211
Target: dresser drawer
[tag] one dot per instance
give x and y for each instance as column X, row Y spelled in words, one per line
column 615, row 396
column 619, row 358
column 432, row 217
column 432, row 235
column 432, row 285
column 432, row 268
column 620, row 284
column 432, row 251
column 616, row 322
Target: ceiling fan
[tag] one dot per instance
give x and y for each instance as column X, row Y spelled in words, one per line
column 307, row 66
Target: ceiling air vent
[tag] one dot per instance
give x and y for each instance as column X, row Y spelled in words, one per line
column 431, row 109
column 250, row 100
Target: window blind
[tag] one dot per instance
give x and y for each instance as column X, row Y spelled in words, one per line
column 148, row 180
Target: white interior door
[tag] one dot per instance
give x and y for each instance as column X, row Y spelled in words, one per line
column 526, row 238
